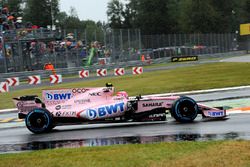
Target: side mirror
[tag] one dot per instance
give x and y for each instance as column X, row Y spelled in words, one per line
column 138, row 97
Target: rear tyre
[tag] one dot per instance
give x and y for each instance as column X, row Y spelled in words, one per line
column 39, row 120
column 184, row 109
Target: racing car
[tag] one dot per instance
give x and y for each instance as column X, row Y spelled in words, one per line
column 101, row 104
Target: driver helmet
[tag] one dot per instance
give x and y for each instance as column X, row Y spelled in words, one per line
column 122, row 93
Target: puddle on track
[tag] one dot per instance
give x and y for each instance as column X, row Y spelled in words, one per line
column 40, row 145
column 15, row 148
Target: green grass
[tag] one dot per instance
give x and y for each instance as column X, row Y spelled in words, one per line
column 203, row 154
column 206, row 76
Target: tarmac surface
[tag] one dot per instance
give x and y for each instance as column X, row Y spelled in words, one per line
column 14, row 137
column 20, row 139
column 245, row 58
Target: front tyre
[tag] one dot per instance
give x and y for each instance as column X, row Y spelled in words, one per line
column 39, row 120
column 184, row 109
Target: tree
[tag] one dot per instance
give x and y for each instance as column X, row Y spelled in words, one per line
column 228, row 15
column 154, row 16
column 14, row 6
column 197, row 16
column 115, row 13
column 73, row 12
column 129, row 15
column 42, row 12
column 247, row 9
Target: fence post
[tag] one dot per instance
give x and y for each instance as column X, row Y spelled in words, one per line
column 139, row 36
column 95, row 36
column 129, row 45
column 4, row 55
column 121, row 42
column 20, row 53
column 54, row 53
column 210, row 51
column 76, row 34
column 104, row 38
column 85, row 37
column 77, row 57
column 169, row 40
column 113, row 45
column 64, row 33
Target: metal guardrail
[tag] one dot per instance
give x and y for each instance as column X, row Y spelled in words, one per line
column 74, row 70
column 68, row 71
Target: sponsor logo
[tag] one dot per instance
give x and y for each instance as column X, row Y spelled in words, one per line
column 61, row 96
column 19, row 104
column 216, row 114
column 58, row 107
column 66, row 114
column 63, row 107
column 79, row 90
column 52, row 103
column 82, row 101
column 107, row 89
column 157, row 115
column 27, row 109
column 105, row 111
column 95, row 94
column 184, row 58
column 155, row 104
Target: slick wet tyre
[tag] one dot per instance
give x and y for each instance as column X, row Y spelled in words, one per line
column 184, row 110
column 39, row 120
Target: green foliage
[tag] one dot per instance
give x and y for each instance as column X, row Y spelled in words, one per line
column 197, row 16
column 246, row 7
column 181, row 16
column 115, row 13
column 151, row 16
column 14, row 6
column 41, row 12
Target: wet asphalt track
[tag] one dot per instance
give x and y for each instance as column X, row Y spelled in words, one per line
column 20, row 139
column 13, row 139
column 236, row 127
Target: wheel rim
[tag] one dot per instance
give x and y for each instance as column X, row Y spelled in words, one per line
column 38, row 120
column 187, row 109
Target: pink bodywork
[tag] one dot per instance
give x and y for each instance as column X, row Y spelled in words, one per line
column 87, row 103
column 100, row 103
column 147, row 104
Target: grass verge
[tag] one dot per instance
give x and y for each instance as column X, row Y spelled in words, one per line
column 181, row 154
column 212, row 153
column 206, row 76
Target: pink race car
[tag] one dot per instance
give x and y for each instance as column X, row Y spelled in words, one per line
column 99, row 105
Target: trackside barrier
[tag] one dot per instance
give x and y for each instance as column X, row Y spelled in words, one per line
column 128, row 64
column 137, row 70
column 4, row 87
column 101, row 72
column 84, row 74
column 55, row 79
column 13, row 81
column 34, row 80
column 119, row 71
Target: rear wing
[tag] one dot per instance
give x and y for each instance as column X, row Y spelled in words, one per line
column 25, row 104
